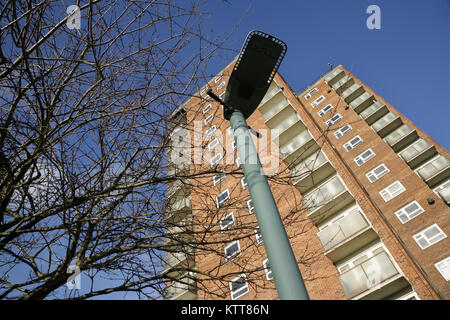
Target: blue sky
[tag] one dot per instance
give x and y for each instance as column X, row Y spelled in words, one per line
column 407, row 61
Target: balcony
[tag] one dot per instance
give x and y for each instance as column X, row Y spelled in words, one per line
column 401, row 137
column 179, row 208
column 327, row 199
column 342, row 84
column 418, row 152
column 362, row 102
column 177, row 186
column 346, row 235
column 184, row 288
column 176, row 262
column 334, row 76
column 352, row 93
column 273, row 106
column 179, row 230
column 311, row 171
column 287, row 118
column 294, row 144
column 435, row 171
column 444, row 191
column 374, row 112
column 386, row 124
column 178, row 169
column 372, row 278
column 271, row 92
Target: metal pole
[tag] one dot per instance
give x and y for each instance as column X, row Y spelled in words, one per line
column 286, row 274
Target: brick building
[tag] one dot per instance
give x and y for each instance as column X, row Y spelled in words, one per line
column 363, row 192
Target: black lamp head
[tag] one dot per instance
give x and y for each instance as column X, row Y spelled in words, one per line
column 253, row 72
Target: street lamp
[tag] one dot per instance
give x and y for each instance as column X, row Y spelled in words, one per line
column 252, row 74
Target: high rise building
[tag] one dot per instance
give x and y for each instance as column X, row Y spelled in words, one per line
column 363, row 192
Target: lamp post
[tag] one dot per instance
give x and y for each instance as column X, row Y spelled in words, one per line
column 252, row 74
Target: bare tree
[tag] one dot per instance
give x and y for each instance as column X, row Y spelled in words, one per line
column 84, row 144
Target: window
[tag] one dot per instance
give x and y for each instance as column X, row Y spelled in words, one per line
column 227, row 222
column 210, row 131
column 222, row 198
column 234, row 145
column 409, row 212
column 209, row 118
column 219, row 178
column 364, row 157
column 207, row 108
column 218, row 78
column 230, row 130
column 238, row 287
column 250, row 206
column 392, row 191
column 238, row 162
column 213, row 143
column 221, row 85
column 327, row 108
column 316, row 102
column 267, row 269
column 343, row 130
column 311, row 93
column 352, row 143
column 258, row 236
column 429, row 236
column 336, row 118
column 376, row 173
column 244, row 183
column 221, row 96
column 216, row 159
column 203, row 91
column 232, row 251
column 443, row 267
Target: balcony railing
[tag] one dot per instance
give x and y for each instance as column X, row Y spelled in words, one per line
column 347, row 235
column 362, row 102
column 178, row 260
column 401, row 137
column 418, row 152
column 284, row 124
column 272, row 107
column 183, row 289
column 271, row 92
column 313, row 170
column 386, row 124
column 334, row 76
column 435, row 171
column 444, row 191
column 178, row 185
column 330, row 197
column 374, row 112
column 180, row 230
column 343, row 83
column 352, row 93
column 295, row 144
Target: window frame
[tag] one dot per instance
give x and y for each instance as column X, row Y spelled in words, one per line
column 227, row 191
column 323, row 112
column 221, row 177
column 219, row 155
column 431, row 241
column 339, row 131
column 251, row 209
column 235, row 254
column 315, row 103
column 311, row 93
column 331, row 122
column 207, row 108
column 207, row 133
column 377, row 176
column 244, row 183
column 409, row 216
column 353, row 146
column 392, row 195
column 208, row 119
column 267, row 269
column 228, row 225
column 446, row 272
column 241, row 289
column 359, row 157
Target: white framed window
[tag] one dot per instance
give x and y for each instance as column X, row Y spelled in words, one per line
column 392, row 191
column 203, row 91
column 216, row 159
column 219, row 178
column 207, row 108
column 221, row 96
column 311, row 93
column 217, row 79
column 408, row 212
column 334, row 119
column 352, row 143
column 250, row 206
column 258, row 236
column 232, row 251
column 238, row 287
column 342, row 131
column 316, row 102
column 429, row 236
column 377, row 172
column 209, row 118
column 326, row 109
column 227, row 222
column 267, row 270
column 238, row 162
column 206, row 98
column 210, row 131
column 364, row 157
column 443, row 267
column 234, row 145
column 244, row 183
column 221, row 85
column 213, row 144
column 229, row 130
column 222, row 198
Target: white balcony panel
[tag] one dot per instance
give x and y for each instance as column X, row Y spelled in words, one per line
column 343, row 83
column 435, row 171
column 374, row 112
column 334, row 76
column 272, row 107
column 418, row 152
column 386, row 124
column 271, row 92
column 444, row 191
column 183, row 289
column 352, row 92
column 295, row 143
column 283, row 125
column 362, row 102
column 401, row 137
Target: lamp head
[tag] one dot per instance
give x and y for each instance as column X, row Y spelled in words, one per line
column 253, row 72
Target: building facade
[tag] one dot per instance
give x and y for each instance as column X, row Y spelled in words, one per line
column 363, row 192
